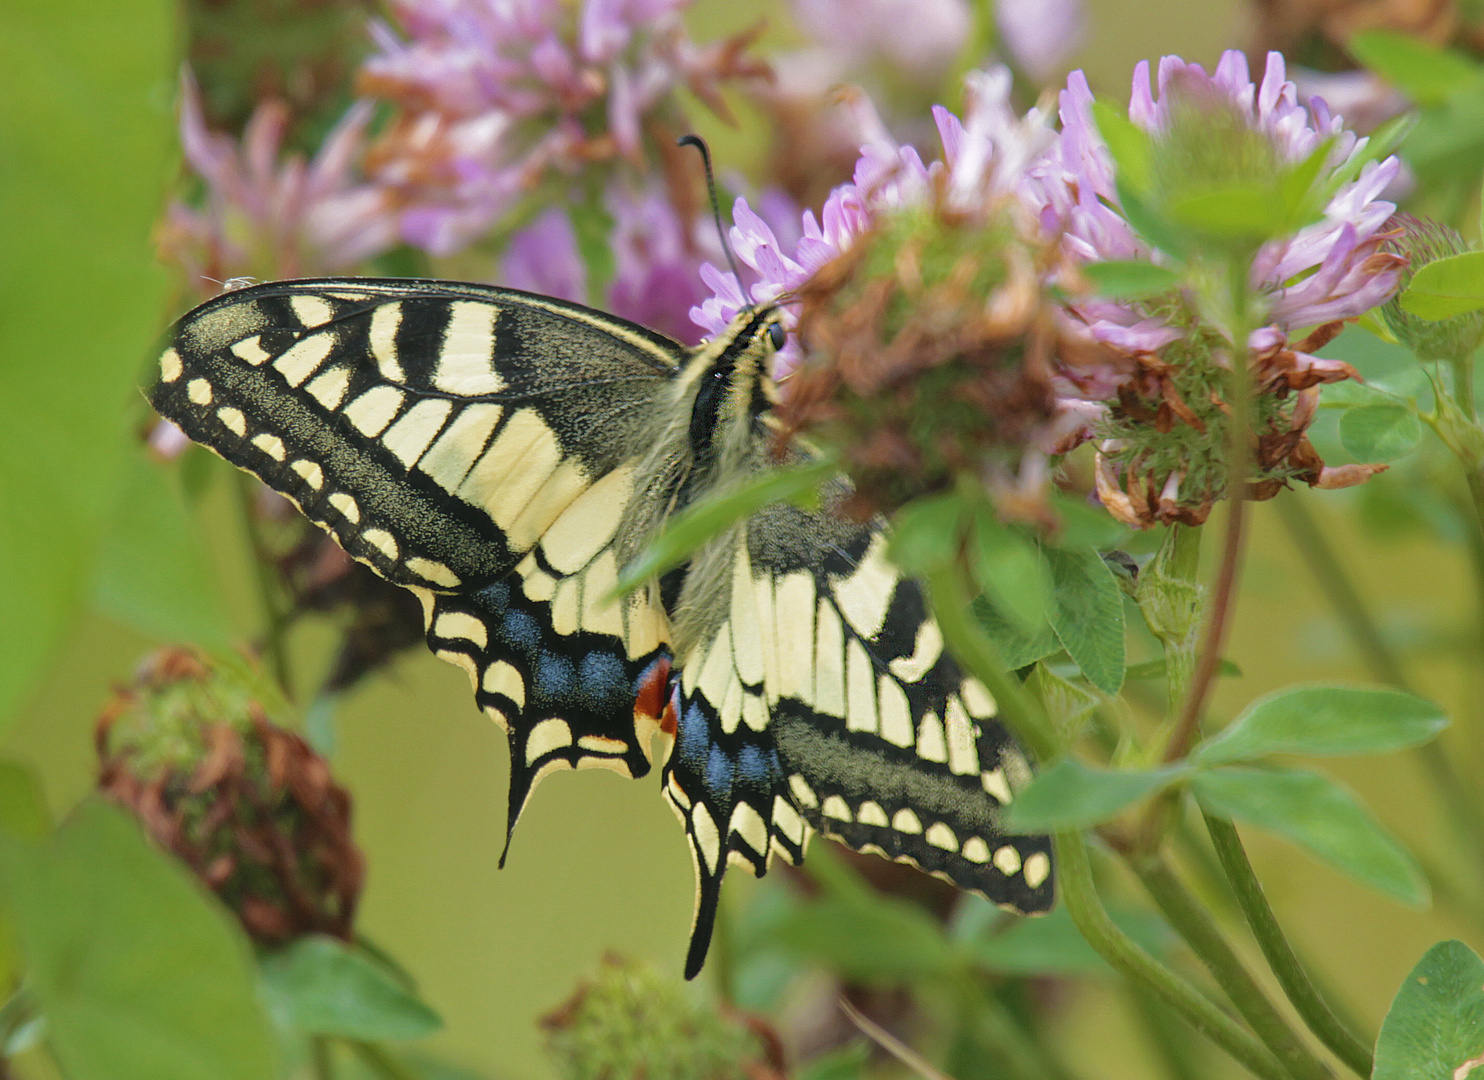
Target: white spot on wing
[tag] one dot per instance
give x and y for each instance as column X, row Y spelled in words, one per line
column 431, row 570
column 940, row 835
column 975, row 850
column 793, row 619
column 465, row 358
column 251, row 350
column 199, row 391
column 170, row 366
column 373, row 410
column 905, row 821
column 461, row 625
column 303, row 358
column 931, row 746
column 994, row 782
column 1007, row 861
column 963, row 758
column 550, row 734
column 871, row 813
column 347, row 507
column 311, row 310
column 976, row 698
column 803, row 794
column 749, row 825
column 787, row 820
column 418, row 427
column 866, row 593
column 1037, row 869
column 588, row 524
column 383, row 337
column 836, row 807
column 449, row 459
column 925, row 652
column 328, row 387
column 310, row 473
column 860, row 679
column 708, row 843
column 271, row 445
column 382, row 541
column 502, row 677
column 895, row 712
column 233, row 420
column 829, row 661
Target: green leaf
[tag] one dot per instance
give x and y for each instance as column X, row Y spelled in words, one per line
column 1087, row 615
column 1145, row 220
column 1051, row 944
column 1157, row 669
column 1235, row 211
column 1446, row 287
column 1128, row 144
column 1318, row 814
column 1016, row 648
column 925, row 534
column 1072, row 795
column 1434, row 1029
column 1380, row 432
column 87, row 131
column 140, row 975
column 1132, row 279
column 1425, row 73
column 1068, row 703
column 153, row 570
column 1082, row 525
column 323, row 987
column 1325, row 720
column 849, row 1062
column 1009, row 568
column 713, row 515
column 23, row 812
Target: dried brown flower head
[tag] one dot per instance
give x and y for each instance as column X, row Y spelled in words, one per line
column 250, row 808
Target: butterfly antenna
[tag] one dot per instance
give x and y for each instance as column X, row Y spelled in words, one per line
column 700, row 144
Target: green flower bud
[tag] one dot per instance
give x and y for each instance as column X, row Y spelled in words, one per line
column 629, row 1023
column 1421, row 241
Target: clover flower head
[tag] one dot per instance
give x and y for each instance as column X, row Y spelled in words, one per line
column 492, row 96
column 270, row 214
column 1327, row 272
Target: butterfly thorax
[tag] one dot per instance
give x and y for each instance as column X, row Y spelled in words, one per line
column 715, row 437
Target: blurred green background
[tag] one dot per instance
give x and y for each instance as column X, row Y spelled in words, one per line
column 86, row 129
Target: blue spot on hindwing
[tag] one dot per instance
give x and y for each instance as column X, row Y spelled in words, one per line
column 693, row 737
column 719, row 772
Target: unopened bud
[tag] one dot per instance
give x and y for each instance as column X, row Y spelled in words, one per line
column 1422, row 241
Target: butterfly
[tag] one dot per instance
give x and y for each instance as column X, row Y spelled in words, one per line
column 504, row 455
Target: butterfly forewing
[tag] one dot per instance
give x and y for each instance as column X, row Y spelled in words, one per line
column 472, row 444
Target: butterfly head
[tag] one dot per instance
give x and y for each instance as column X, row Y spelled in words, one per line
column 731, row 383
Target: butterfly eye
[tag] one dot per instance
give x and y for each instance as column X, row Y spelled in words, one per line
column 777, row 336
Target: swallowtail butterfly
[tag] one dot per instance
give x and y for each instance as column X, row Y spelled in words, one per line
column 503, row 455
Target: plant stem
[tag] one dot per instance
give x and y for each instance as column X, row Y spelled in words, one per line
column 949, row 593
column 1200, row 932
column 1280, row 956
column 322, row 1065
column 1223, row 592
column 1128, row 959
column 1170, row 1043
column 381, row 1062
column 274, row 623
column 1329, row 573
